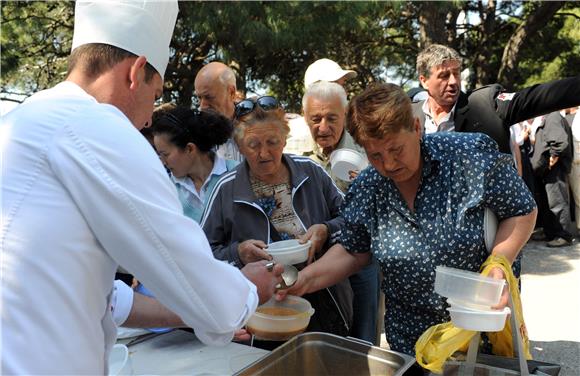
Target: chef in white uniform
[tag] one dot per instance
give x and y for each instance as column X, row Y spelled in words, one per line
column 83, row 192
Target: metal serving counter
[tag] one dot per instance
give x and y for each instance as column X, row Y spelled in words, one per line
column 181, row 353
column 328, row 354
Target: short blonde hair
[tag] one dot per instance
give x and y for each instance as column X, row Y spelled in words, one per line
column 258, row 115
column 380, row 110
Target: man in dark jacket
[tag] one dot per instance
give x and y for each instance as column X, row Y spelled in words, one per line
column 551, row 162
column 488, row 109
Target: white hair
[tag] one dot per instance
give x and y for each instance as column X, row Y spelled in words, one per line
column 324, row 90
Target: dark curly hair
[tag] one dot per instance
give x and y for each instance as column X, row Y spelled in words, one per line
column 182, row 125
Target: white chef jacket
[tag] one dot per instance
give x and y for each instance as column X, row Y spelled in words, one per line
column 83, row 191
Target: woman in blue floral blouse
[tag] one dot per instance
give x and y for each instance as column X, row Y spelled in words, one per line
column 420, row 205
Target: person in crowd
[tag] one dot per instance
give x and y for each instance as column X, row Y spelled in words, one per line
column 324, row 105
column 82, row 192
column 522, row 132
column 551, row 162
column 215, row 88
column 574, row 177
column 489, row 109
column 420, row 205
column 274, row 196
column 185, row 140
column 299, row 141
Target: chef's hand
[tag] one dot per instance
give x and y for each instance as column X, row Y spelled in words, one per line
column 264, row 279
column 253, row 250
column 317, row 234
column 302, row 286
column 241, row 335
column 497, row 273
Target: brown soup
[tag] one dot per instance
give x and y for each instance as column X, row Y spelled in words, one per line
column 277, row 311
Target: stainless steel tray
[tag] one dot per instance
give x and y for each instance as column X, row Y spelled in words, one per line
column 327, row 354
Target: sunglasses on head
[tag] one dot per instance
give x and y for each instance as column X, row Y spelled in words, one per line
column 246, row 106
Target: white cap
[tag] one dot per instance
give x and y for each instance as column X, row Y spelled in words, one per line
column 141, row 27
column 325, row 70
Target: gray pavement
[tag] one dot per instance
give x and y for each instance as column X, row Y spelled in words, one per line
column 551, row 303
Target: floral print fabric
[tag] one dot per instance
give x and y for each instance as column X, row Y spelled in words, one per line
column 462, row 174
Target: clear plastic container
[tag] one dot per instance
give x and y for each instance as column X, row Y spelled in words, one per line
column 279, row 321
column 465, row 286
column 478, row 320
column 289, row 252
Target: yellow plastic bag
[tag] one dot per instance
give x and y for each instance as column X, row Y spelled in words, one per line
column 439, row 342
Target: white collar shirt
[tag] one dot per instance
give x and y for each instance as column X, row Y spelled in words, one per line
column 82, row 192
column 446, row 123
column 219, row 167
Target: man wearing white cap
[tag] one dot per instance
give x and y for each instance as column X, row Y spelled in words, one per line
column 83, row 192
column 327, row 70
column 299, row 140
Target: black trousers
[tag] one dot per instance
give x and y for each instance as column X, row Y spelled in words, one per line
column 553, row 198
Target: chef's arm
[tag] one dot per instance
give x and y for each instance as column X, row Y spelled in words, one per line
column 147, row 312
column 336, row 265
column 134, row 310
column 512, row 234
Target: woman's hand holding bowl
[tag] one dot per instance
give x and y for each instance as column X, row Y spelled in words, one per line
column 252, row 250
column 317, row 234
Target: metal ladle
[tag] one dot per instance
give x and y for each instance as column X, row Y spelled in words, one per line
column 289, row 276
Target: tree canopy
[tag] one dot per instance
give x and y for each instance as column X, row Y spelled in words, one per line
column 270, row 44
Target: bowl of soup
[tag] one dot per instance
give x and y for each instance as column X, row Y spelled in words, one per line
column 279, row 321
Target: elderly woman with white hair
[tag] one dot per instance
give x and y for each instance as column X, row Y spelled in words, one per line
column 273, row 196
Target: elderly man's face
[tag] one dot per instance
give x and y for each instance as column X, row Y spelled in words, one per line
column 325, row 118
column 444, row 83
column 215, row 95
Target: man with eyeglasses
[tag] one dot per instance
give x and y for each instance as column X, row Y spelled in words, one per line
column 215, row 88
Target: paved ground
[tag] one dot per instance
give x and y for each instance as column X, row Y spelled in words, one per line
column 551, row 304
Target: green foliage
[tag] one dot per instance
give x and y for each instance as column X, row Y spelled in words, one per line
column 555, row 52
column 36, row 39
column 270, row 44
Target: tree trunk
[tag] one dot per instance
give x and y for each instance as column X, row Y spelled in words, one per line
column 432, row 17
column 538, row 18
column 483, row 70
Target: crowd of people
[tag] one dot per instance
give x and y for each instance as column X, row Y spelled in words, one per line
column 190, row 209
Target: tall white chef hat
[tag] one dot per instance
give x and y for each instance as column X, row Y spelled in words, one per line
column 141, row 27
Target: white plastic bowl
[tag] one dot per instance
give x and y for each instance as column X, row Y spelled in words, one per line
column 478, row 320
column 289, row 252
column 466, row 286
column 119, row 361
column 344, row 160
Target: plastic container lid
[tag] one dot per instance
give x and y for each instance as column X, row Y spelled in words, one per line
column 470, row 287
